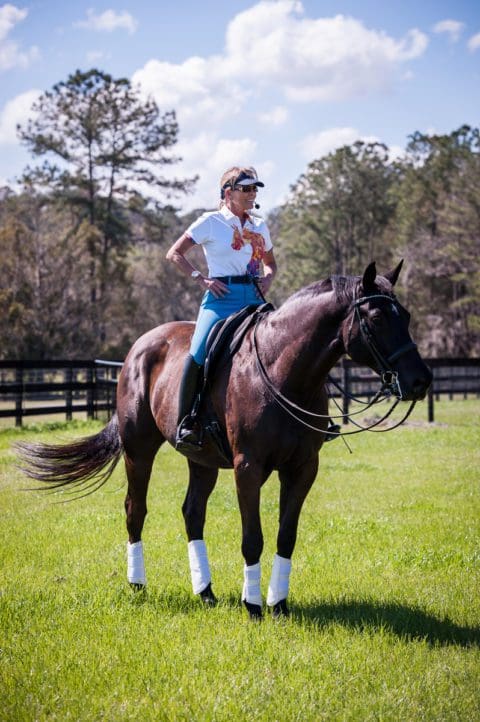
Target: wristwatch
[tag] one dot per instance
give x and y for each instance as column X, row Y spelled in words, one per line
column 195, row 274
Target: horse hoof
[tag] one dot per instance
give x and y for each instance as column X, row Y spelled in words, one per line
column 254, row 611
column 280, row 610
column 137, row 586
column 208, row 597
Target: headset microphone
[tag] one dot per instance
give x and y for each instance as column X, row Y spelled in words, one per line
column 256, row 205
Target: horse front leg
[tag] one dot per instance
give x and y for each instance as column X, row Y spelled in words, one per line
column 201, row 484
column 249, row 479
column 295, row 483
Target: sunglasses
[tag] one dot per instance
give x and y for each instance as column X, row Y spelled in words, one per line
column 246, row 189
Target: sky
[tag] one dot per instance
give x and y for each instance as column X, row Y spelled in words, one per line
column 275, row 84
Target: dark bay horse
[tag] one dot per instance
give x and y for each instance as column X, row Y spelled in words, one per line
column 297, row 345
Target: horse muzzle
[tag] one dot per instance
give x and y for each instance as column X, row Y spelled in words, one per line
column 413, row 385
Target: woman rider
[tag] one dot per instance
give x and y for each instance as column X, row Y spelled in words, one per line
column 236, row 244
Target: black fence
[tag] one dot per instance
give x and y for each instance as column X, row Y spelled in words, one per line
column 38, row 388
column 452, row 377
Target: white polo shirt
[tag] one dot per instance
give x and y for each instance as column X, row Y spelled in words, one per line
column 229, row 249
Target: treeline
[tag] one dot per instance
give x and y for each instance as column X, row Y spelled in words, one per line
column 83, row 244
column 354, row 206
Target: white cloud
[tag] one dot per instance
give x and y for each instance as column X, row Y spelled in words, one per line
column 10, row 54
column 108, row 21
column 16, row 111
column 474, row 42
column 316, row 145
column 452, row 28
column 315, row 59
column 304, row 59
column 310, row 59
column 275, row 117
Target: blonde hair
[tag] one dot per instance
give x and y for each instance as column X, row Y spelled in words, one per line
column 231, row 174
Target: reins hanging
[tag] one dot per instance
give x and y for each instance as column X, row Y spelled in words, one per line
column 289, row 406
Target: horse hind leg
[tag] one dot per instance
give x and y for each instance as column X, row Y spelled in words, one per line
column 201, row 484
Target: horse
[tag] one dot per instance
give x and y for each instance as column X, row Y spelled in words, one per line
column 293, row 348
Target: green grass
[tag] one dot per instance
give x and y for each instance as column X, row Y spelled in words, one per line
column 384, row 592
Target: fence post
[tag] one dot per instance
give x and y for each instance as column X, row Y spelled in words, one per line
column 90, row 394
column 68, row 394
column 346, row 389
column 19, row 396
column 430, row 403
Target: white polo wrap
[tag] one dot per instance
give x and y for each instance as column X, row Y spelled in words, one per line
column 279, row 581
column 251, row 584
column 135, row 563
column 199, row 566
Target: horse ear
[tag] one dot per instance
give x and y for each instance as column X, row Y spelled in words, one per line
column 368, row 281
column 392, row 276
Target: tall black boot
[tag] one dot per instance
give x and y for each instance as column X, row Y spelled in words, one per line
column 188, row 433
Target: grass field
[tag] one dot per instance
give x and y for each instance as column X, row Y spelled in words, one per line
column 385, row 584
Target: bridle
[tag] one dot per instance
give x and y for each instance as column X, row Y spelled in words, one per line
column 390, row 383
column 384, row 364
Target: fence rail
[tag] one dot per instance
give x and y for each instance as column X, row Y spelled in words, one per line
column 38, row 388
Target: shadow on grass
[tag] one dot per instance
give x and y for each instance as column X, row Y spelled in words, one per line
column 410, row 623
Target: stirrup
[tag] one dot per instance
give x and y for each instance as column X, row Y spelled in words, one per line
column 188, row 437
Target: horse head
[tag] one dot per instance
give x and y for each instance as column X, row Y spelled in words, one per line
column 376, row 333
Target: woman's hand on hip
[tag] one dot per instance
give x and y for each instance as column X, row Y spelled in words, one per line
column 218, row 288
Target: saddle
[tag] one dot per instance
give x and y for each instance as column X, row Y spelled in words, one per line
column 223, row 342
column 226, row 336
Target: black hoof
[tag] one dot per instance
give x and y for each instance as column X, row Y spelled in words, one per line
column 137, row 587
column 208, row 597
column 280, row 610
column 254, row 611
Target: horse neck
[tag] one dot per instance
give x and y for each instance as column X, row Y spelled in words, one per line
column 304, row 341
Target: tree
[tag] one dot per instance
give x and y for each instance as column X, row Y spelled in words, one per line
column 337, row 214
column 104, row 150
column 437, row 227
column 42, row 302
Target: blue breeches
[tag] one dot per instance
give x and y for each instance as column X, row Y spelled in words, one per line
column 215, row 309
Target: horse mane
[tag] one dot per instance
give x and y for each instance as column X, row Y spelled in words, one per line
column 344, row 288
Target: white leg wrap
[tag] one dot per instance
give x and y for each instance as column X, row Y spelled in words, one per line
column 199, row 566
column 279, row 581
column 135, row 563
column 251, row 584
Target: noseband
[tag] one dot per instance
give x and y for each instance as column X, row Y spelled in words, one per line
column 384, row 364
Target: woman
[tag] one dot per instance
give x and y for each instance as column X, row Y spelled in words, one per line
column 236, row 244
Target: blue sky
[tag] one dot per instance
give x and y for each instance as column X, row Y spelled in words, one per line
column 275, row 83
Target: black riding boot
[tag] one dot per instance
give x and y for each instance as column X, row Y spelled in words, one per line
column 188, row 432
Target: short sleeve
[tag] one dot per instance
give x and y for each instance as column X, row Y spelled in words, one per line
column 266, row 234
column 199, row 230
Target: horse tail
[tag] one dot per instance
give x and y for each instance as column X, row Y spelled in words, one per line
column 82, row 466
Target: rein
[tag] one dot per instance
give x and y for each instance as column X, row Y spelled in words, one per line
column 389, row 380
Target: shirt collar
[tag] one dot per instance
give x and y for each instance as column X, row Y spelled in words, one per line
column 228, row 215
